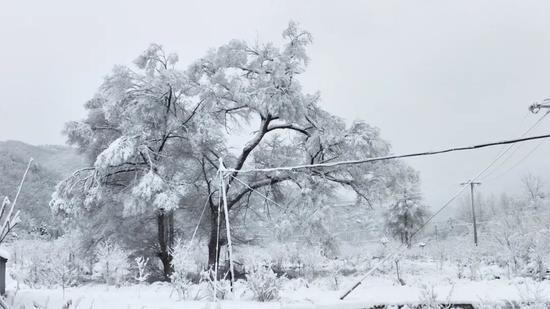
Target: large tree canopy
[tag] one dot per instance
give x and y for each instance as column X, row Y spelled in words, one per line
column 154, row 136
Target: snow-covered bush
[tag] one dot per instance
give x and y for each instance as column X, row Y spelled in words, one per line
column 295, row 260
column 182, row 267
column 310, row 258
column 65, row 271
column 335, row 276
column 537, row 258
column 181, row 285
column 30, row 263
column 531, row 296
column 521, row 238
column 216, row 289
column 282, row 256
column 40, row 263
column 430, row 300
column 141, row 265
column 112, row 264
column 264, row 283
column 428, row 297
column 309, row 229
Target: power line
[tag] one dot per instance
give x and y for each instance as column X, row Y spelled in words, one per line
column 382, row 158
column 518, row 163
column 518, row 146
column 473, row 179
column 428, row 153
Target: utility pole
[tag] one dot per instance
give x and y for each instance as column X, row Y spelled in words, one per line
column 472, row 184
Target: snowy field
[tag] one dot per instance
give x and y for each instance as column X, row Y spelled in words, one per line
column 427, row 282
column 375, row 292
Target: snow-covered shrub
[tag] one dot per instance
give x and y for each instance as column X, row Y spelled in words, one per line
column 141, row 265
column 335, row 277
column 309, row 260
column 430, row 300
column 264, row 283
column 31, row 263
column 522, row 237
column 39, row 263
column 272, row 253
column 112, row 264
column 311, row 226
column 531, row 297
column 216, row 289
column 64, row 269
column 536, row 261
column 197, row 259
column 428, row 297
column 295, row 260
column 182, row 267
column 282, row 256
column 474, row 266
column 460, row 272
column 181, row 284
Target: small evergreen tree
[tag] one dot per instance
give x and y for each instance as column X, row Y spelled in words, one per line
column 406, row 213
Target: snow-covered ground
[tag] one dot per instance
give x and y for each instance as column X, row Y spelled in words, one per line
column 449, row 271
column 425, row 282
column 372, row 293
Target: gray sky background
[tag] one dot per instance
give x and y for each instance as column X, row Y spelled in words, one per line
column 429, row 74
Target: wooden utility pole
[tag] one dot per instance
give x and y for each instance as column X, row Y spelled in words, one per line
column 472, row 184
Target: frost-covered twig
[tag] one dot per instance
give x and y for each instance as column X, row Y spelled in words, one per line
column 141, row 265
column 11, row 219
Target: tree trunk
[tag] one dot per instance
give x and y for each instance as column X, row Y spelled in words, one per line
column 213, row 238
column 165, row 238
column 213, row 243
column 171, row 229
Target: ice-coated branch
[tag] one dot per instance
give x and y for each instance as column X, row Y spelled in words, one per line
column 10, row 219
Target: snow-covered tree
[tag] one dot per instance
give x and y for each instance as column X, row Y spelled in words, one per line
column 136, row 138
column 407, row 212
column 183, row 266
column 156, row 135
column 256, row 89
column 534, row 190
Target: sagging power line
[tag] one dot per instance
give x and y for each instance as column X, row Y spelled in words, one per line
column 473, row 179
column 223, row 171
column 390, row 157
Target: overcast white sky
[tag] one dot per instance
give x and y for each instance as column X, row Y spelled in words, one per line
column 429, row 74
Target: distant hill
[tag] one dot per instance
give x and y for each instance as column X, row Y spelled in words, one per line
column 51, row 164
